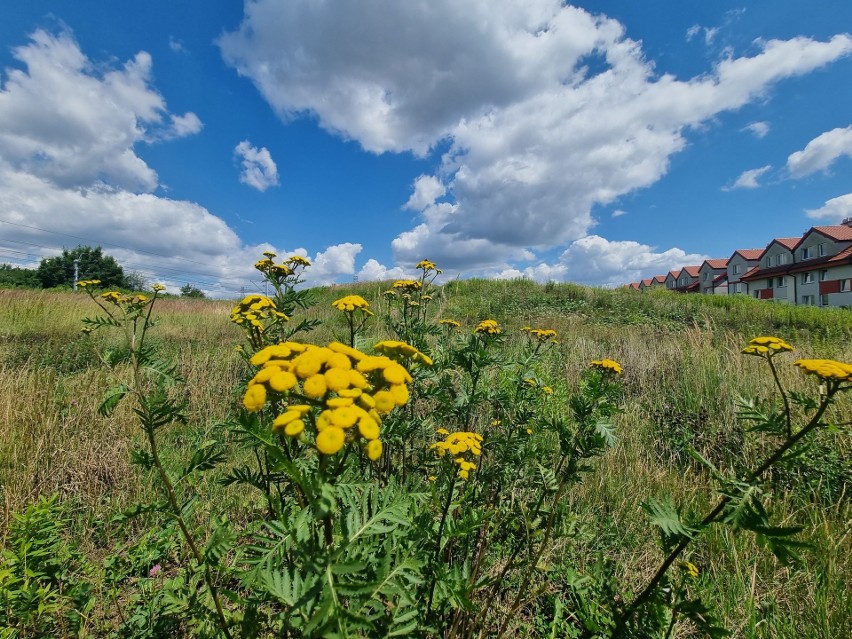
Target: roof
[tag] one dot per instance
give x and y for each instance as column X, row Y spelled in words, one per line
column 843, row 257
column 838, row 233
column 749, row 254
column 692, row 271
column 633, row 285
column 716, row 263
column 674, row 274
column 660, row 279
column 786, row 242
column 646, row 282
column 721, row 277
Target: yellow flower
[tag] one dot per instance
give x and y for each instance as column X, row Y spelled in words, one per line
column 351, row 303
column 426, row 265
column 607, row 365
column 270, row 254
column 399, row 350
column 384, row 401
column 158, row 287
column 690, row 568
column 314, row 387
column 282, row 381
column 488, row 327
column 766, row 346
column 374, row 449
column 255, row 398
column 368, row 428
column 828, row 369
column 298, row 260
column 450, row 322
column 408, row 285
column 330, row 440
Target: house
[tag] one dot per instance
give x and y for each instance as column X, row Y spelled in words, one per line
column 659, row 281
column 709, row 278
column 687, row 279
column 770, row 280
column 740, row 262
column 645, row 284
column 823, row 266
column 633, row 286
column 671, row 279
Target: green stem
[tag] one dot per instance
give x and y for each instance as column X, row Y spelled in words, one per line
column 720, row 507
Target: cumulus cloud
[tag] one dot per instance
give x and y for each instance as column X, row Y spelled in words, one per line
column 544, row 110
column 834, row 210
column 595, row 260
column 821, row 152
column 375, row 271
column 427, row 189
column 258, row 168
column 69, row 173
column 748, row 179
column 618, row 213
column 758, row 129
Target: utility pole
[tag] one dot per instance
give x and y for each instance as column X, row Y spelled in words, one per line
column 76, row 272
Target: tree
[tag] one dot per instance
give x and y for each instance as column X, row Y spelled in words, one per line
column 15, row 276
column 188, row 290
column 92, row 265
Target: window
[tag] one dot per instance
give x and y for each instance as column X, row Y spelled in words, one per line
column 823, row 300
column 806, row 253
column 845, row 285
column 736, row 269
column 768, row 261
column 823, row 274
column 807, row 278
column 808, row 300
column 706, row 275
column 780, row 259
column 821, row 249
column 738, row 287
column 779, row 282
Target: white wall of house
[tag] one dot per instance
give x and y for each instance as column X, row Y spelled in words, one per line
column 737, row 267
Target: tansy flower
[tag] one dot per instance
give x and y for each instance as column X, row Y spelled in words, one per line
column 827, row 369
column 607, row 365
column 400, row 350
column 459, row 444
column 487, row 327
column 408, row 285
column 330, row 440
column 449, row 322
column 426, row 265
column 766, row 346
column 351, row 303
column 298, row 260
column 158, row 287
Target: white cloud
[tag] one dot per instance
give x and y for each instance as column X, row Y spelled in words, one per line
column 598, row 261
column 748, row 179
column 758, row 129
column 618, row 213
column 820, row 152
column 545, row 110
column 375, row 271
column 258, row 168
column 177, row 45
column 186, row 124
column 709, row 33
column 835, row 209
column 427, row 189
column 68, row 128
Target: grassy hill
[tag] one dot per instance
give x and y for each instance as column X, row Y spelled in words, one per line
column 683, row 370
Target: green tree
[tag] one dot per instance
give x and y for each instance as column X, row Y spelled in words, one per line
column 15, row 277
column 188, row 290
column 92, row 265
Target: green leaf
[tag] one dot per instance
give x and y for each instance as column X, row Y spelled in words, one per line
column 665, row 516
column 111, row 399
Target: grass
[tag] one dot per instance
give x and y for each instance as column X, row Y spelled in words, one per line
column 683, row 369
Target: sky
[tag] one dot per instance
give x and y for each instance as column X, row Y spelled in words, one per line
column 598, row 142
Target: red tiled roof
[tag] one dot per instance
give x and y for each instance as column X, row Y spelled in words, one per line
column 721, row 277
column 660, row 279
column 716, row 263
column 839, row 233
column 750, row 254
column 692, row 271
column 674, row 274
column 647, row 282
column 633, row 285
column 786, row 242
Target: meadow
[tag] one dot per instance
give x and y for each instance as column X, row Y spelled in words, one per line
column 71, row 473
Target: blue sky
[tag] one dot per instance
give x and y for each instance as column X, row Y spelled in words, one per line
column 599, row 142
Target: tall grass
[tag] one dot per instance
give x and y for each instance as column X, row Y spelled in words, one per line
column 683, row 374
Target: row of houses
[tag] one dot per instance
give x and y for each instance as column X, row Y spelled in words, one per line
column 813, row 270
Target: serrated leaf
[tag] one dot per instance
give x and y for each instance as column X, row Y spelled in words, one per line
column 111, row 399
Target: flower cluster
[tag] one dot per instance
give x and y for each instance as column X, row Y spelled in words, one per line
column 114, row 297
column 346, row 386
column 397, row 350
column 766, row 346
column 450, row 323
column 459, row 444
column 488, row 327
column 351, row 303
column 607, row 365
column 408, row 286
column 284, row 269
column 541, row 334
column 85, row 283
column 254, row 308
column 427, row 266
column 827, row 369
